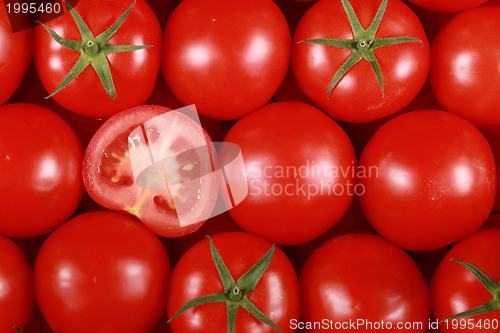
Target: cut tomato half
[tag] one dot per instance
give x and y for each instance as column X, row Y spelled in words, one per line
column 156, row 164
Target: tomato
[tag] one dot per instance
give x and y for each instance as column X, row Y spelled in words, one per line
column 455, row 289
column 110, row 178
column 365, row 280
column 432, row 180
column 464, row 70
column 15, row 56
column 17, row 298
column 448, row 5
column 42, row 157
column 300, row 172
column 125, row 79
column 276, row 293
column 227, row 57
column 382, row 83
column 101, row 272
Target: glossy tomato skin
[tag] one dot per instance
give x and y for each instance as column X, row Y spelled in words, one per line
column 15, row 56
column 448, row 5
column 276, row 294
column 134, row 73
column 102, row 272
column 434, row 180
column 358, row 97
column 42, row 157
column 464, row 72
column 17, row 298
column 227, row 57
column 455, row 289
column 109, row 179
column 363, row 277
column 300, row 172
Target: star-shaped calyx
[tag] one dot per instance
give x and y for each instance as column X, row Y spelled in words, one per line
column 93, row 50
column 235, row 294
column 362, row 44
column 494, row 288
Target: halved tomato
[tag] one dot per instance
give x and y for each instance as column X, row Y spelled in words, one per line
column 156, row 164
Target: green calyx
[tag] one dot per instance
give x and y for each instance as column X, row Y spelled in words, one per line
column 362, row 44
column 488, row 283
column 235, row 294
column 93, row 50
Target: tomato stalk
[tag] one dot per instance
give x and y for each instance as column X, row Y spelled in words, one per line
column 235, row 293
column 93, row 50
column 362, row 44
column 488, row 283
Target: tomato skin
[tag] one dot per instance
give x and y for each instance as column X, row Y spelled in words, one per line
column 448, row 5
column 42, row 156
column 101, row 272
column 17, row 299
column 134, row 73
column 227, row 57
column 15, row 56
column 358, row 97
column 455, row 289
column 464, row 71
column 333, row 284
column 125, row 195
column 276, row 294
column 435, row 180
column 276, row 141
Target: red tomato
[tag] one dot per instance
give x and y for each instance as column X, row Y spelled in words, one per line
column 133, row 73
column 42, row 157
column 464, row 71
column 102, row 272
column 276, row 294
column 455, row 289
column 109, row 178
column 15, row 56
column 358, row 96
column 17, row 298
column 227, row 57
column 448, row 5
column 365, row 280
column 432, row 180
column 300, row 172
